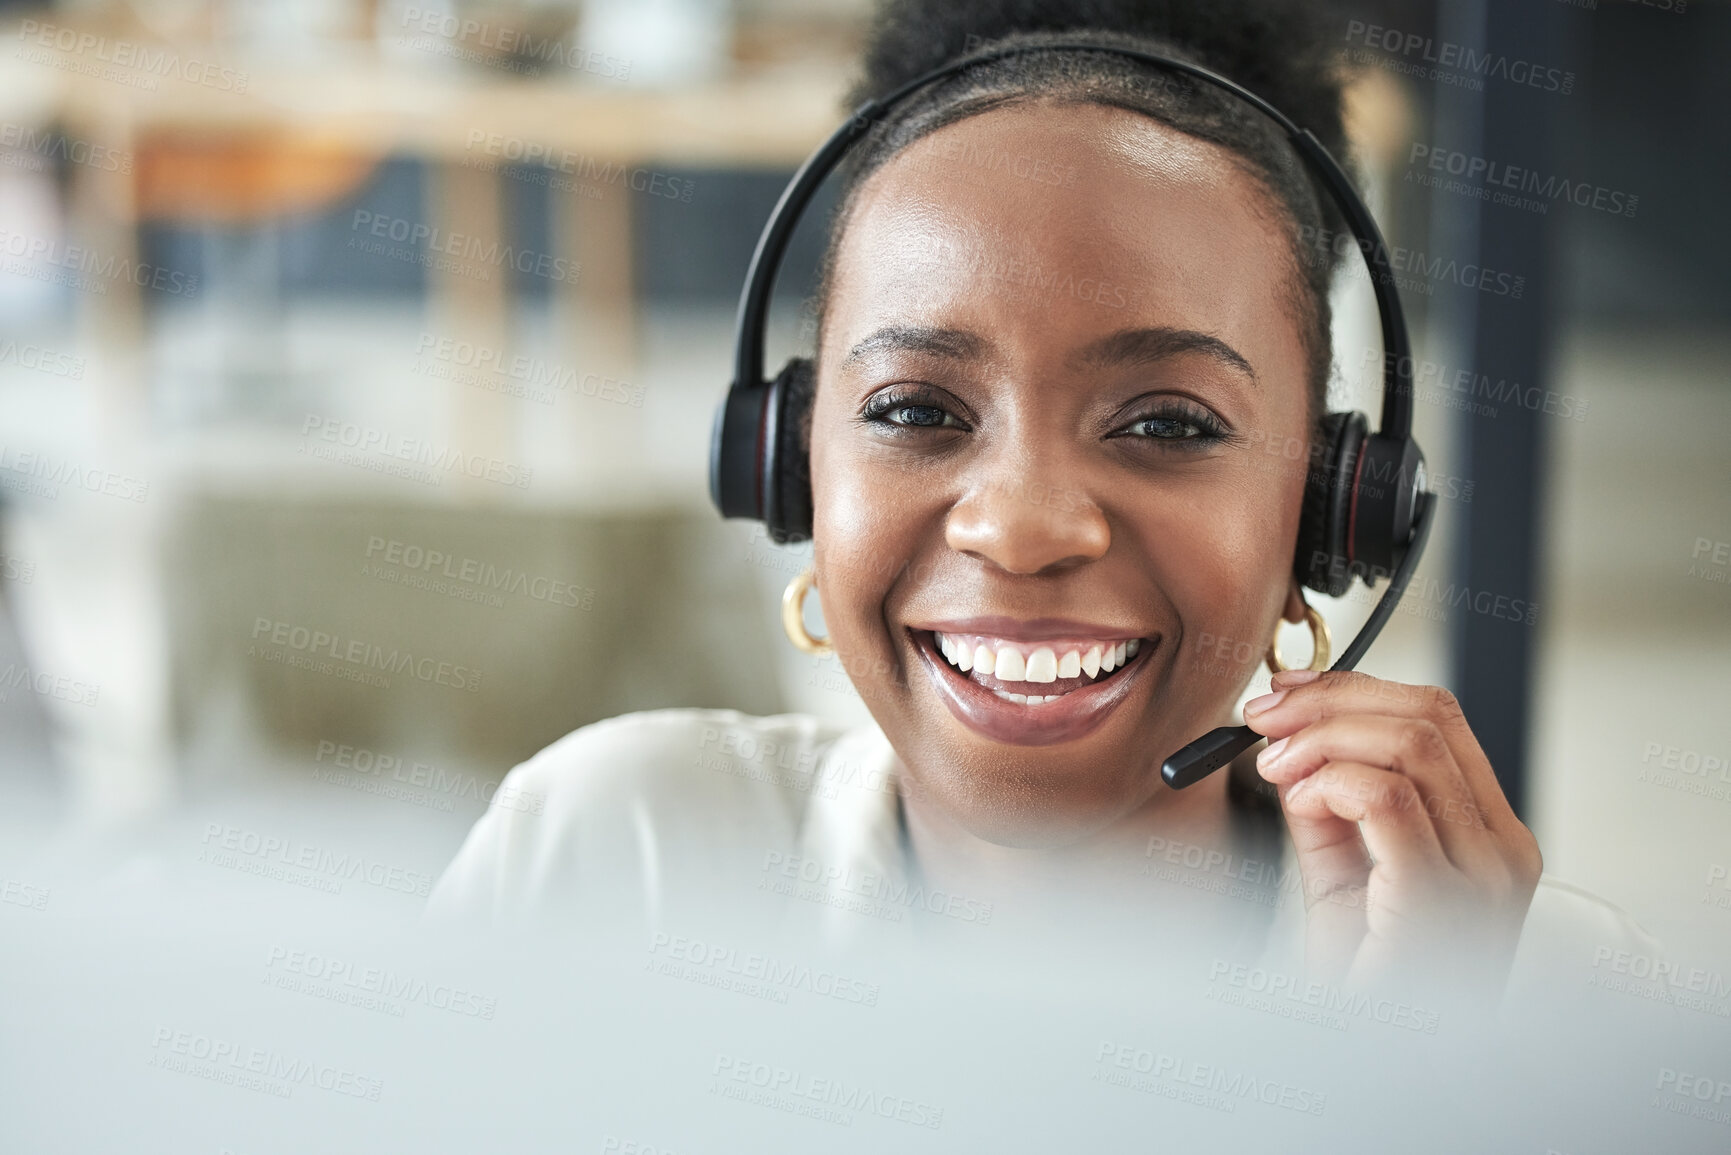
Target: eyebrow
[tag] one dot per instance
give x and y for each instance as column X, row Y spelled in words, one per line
column 954, row 343
column 1125, row 347
column 1140, row 346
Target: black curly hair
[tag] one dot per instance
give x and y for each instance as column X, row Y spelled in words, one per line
column 1279, row 49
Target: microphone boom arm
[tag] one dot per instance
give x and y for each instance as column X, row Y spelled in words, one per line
column 1219, row 746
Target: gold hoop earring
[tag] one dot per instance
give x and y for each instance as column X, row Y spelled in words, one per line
column 1322, row 643
column 793, row 615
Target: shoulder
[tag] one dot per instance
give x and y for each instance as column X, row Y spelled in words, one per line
column 620, row 813
column 1565, row 918
column 1571, row 943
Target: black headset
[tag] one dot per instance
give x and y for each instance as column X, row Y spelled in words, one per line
column 1366, row 512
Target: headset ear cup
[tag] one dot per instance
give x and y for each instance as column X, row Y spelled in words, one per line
column 1323, row 561
column 788, row 471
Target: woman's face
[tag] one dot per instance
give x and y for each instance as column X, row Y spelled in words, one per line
column 1061, row 412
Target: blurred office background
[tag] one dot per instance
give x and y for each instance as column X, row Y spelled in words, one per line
column 361, row 323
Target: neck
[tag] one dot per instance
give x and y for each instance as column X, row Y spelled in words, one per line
column 1108, row 859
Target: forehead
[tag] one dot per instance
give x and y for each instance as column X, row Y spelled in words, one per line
column 1064, row 212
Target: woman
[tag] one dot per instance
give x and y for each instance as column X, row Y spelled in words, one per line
column 1065, row 315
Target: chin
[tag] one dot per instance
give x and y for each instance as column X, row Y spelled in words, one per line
column 1033, row 799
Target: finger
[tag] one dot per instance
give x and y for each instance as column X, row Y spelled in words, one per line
column 1294, row 703
column 1334, row 871
column 1415, row 749
column 1387, row 810
column 1298, row 701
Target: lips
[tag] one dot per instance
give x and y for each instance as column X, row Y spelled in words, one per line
column 1057, row 687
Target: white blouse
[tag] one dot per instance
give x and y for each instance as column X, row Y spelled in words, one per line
column 668, row 820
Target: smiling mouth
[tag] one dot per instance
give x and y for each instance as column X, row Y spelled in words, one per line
column 1032, row 693
column 1045, row 672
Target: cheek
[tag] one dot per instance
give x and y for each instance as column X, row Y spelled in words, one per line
column 1226, row 564
column 863, row 535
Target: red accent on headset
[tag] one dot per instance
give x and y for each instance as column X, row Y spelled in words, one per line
column 1352, row 507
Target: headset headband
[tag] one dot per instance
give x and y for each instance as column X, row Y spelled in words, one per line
column 753, row 314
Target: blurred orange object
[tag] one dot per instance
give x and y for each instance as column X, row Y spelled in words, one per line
column 232, row 178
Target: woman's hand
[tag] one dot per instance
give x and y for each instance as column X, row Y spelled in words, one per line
column 1414, row 866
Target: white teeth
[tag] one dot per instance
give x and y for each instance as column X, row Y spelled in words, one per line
column 982, row 660
column 1009, row 663
column 1027, row 699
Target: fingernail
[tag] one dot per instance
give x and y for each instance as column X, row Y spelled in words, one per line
column 1296, row 677
column 1271, row 755
column 1266, row 702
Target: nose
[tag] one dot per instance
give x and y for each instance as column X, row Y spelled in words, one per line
column 1027, row 527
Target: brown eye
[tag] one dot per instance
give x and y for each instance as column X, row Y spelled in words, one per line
column 1178, row 425
column 920, row 415
column 905, row 409
column 1167, row 429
